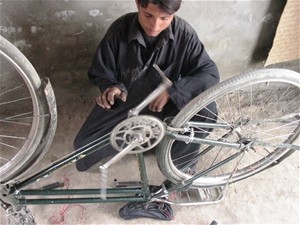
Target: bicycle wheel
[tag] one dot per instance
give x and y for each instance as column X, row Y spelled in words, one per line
column 21, row 113
column 260, row 110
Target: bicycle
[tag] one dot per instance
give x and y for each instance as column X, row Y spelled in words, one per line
column 257, row 124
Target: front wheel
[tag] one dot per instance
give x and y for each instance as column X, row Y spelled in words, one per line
column 22, row 114
column 259, row 110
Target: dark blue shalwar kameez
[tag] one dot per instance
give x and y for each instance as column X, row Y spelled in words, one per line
column 125, row 58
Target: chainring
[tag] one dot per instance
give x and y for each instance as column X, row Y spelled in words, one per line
column 147, row 129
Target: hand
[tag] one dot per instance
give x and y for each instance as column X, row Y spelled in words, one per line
column 157, row 104
column 107, row 98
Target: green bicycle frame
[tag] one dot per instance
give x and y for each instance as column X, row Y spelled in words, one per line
column 135, row 194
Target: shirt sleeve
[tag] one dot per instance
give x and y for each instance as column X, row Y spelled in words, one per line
column 198, row 74
column 102, row 72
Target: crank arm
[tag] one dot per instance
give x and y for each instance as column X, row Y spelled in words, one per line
column 104, row 168
column 120, row 155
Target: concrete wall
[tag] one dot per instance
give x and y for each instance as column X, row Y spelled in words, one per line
column 62, row 35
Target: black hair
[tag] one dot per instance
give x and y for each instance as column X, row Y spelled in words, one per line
column 169, row 6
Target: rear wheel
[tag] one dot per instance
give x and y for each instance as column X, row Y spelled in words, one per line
column 261, row 111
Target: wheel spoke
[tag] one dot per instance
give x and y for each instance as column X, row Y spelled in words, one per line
column 12, row 89
column 15, row 101
column 10, row 146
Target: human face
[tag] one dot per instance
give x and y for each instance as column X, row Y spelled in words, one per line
column 153, row 20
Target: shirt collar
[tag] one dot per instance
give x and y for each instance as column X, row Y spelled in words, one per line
column 135, row 33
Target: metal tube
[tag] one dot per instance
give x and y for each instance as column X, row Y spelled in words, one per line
column 79, row 200
column 187, row 139
column 143, row 174
column 40, row 192
column 208, row 125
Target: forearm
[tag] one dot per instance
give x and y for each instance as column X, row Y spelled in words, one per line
column 197, row 81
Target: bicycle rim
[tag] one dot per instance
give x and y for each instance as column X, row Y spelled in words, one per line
column 21, row 122
column 261, row 109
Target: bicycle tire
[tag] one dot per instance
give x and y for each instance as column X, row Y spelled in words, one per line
column 277, row 78
column 20, row 71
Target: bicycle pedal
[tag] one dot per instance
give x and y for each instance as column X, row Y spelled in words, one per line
column 196, row 196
